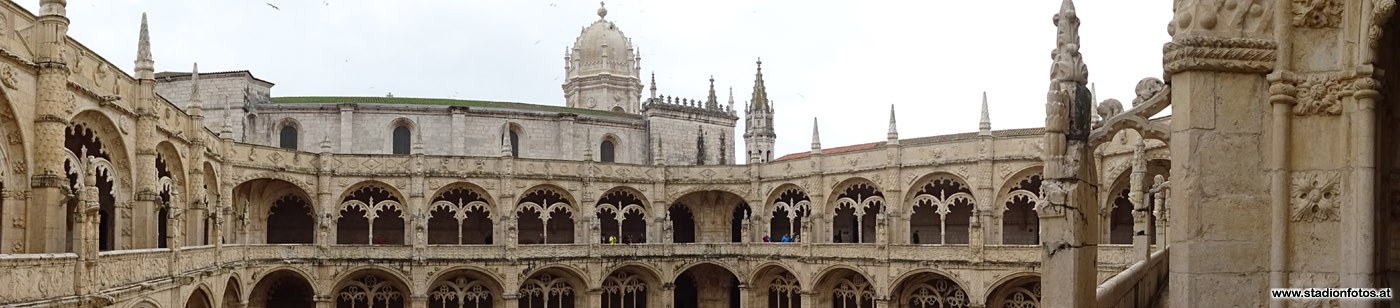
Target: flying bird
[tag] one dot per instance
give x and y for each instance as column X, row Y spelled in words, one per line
column 273, row 6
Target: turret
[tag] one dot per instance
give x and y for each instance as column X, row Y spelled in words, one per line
column 759, row 137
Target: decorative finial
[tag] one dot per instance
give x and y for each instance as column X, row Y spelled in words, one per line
column 195, row 103
column 984, row 127
column 653, row 84
column 712, row 102
column 816, row 138
column 602, row 10
column 145, row 65
column 892, row 137
column 760, row 63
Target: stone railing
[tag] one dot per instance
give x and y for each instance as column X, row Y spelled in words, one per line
column 1138, row 286
column 42, row 276
column 56, row 276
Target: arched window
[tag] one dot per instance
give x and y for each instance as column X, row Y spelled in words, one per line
column 605, row 151
column 514, row 144
column 401, row 140
column 288, row 137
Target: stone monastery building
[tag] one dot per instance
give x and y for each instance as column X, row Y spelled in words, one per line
column 188, row 189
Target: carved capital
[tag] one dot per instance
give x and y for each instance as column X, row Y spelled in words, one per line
column 1230, row 55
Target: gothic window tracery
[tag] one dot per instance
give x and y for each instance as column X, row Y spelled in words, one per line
column 932, row 291
column 460, row 216
column 460, row 292
column 369, row 291
column 1022, row 292
column 790, row 214
column 857, row 209
column 621, row 214
column 84, row 152
column 1020, row 221
column 545, row 217
column 370, row 215
column 784, row 291
column 853, row 291
column 624, row 290
column 942, row 212
column 546, row 291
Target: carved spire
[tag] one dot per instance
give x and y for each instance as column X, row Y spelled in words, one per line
column 892, row 137
column 227, row 131
column 660, row 152
column 1068, row 65
column 731, row 99
column 816, row 138
column 712, row 102
column 760, row 93
column 984, row 127
column 653, row 84
column 145, row 66
column 196, row 107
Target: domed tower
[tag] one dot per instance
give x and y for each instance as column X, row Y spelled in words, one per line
column 603, row 70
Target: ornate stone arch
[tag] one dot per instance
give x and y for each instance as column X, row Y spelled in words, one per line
column 835, row 200
column 235, row 284
column 463, row 284
column 634, row 281
column 568, row 202
column 571, row 275
column 267, row 281
column 460, row 213
column 728, row 268
column 642, row 204
column 937, row 289
column 940, row 207
column 175, row 163
column 766, row 268
column 200, row 289
column 379, row 203
column 371, row 283
column 145, row 302
column 847, row 282
column 1010, row 182
column 14, row 155
column 1022, row 288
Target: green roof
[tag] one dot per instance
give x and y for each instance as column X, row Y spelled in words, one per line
column 441, row 102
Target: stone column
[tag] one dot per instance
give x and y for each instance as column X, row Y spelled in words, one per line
column 744, row 296
column 417, row 301
column 46, row 215
column 324, row 301
column 595, row 298
column 508, row 300
column 1358, row 221
column 1069, row 215
column 1216, row 64
column 1142, row 216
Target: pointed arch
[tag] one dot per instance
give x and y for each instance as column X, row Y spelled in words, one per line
column 92, row 144
column 233, row 292
column 1016, row 290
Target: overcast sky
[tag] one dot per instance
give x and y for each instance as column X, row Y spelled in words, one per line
column 844, row 62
